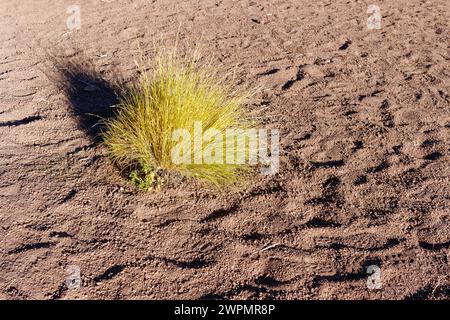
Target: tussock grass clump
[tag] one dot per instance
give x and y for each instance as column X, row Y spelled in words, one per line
column 176, row 93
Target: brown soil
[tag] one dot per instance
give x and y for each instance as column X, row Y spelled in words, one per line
column 364, row 117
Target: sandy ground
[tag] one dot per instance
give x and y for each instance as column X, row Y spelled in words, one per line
column 364, row 117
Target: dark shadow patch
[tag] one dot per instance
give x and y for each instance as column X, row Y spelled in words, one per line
column 389, row 244
column 345, row 45
column 164, row 224
column 430, row 292
column 60, row 234
column 270, row 188
column 387, row 119
column 109, row 273
column 339, row 278
column 433, row 156
column 268, row 281
column 91, row 96
column 59, row 292
column 361, row 179
column 269, row 72
column 361, row 97
column 219, row 213
column 305, row 136
column 397, row 149
column 376, row 213
column 325, row 200
column 20, row 122
column 392, row 242
column 444, row 95
column 350, row 113
column 321, row 223
column 327, row 164
column 31, row 246
column 254, row 236
column 429, row 143
column 317, row 98
column 385, row 104
column 69, row 196
column 192, row 264
column 300, row 75
column 421, row 294
column 382, row 166
column 434, row 246
column 17, row 294
column 410, row 177
column 373, row 94
column 331, row 183
column 358, row 275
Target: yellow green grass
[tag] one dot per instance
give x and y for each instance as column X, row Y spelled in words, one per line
column 174, row 94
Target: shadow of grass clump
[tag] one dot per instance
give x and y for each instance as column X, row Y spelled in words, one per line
column 91, row 96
